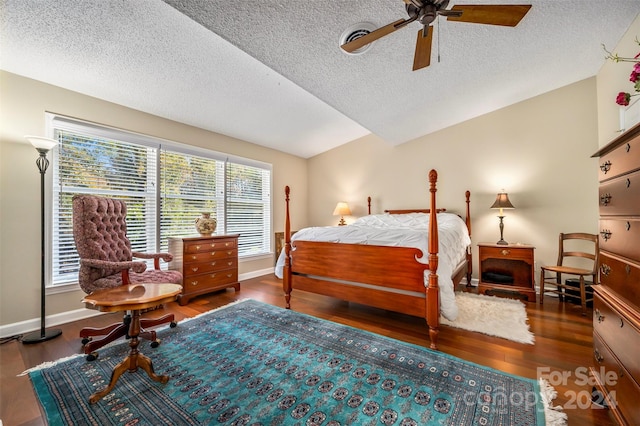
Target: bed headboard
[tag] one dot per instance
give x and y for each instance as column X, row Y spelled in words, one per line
column 414, row 211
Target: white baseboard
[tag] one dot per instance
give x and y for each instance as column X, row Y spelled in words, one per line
column 33, row 324
column 26, row 326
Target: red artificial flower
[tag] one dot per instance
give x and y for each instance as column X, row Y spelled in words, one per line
column 623, row 98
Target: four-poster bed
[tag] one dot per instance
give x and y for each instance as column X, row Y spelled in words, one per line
column 397, row 277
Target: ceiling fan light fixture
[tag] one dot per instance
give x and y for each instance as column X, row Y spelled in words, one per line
column 354, row 32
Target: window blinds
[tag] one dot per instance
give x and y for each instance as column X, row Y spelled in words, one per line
column 165, row 185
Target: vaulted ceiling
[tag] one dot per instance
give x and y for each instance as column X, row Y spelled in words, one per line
column 271, row 71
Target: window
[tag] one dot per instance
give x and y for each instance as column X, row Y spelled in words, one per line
column 165, row 185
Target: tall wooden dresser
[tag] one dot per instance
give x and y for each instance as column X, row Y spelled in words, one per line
column 207, row 264
column 616, row 315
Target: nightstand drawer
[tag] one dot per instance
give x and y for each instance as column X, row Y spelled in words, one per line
column 210, row 255
column 507, row 252
column 211, row 245
column 206, row 281
column 214, row 265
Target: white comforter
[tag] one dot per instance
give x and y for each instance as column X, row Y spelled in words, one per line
column 405, row 230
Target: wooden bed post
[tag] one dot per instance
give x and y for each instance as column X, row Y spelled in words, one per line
column 369, row 204
column 433, row 296
column 468, row 221
column 286, row 277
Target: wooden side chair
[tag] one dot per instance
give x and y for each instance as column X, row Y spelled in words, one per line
column 567, row 259
column 106, row 261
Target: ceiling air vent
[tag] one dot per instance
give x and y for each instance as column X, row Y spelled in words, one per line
column 356, row 31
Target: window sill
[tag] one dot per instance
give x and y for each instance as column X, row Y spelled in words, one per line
column 62, row 288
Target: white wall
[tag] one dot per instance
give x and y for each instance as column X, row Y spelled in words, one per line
column 24, row 103
column 538, row 150
column 613, row 77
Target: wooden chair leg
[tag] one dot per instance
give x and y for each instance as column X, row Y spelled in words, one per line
column 558, row 288
column 541, row 286
column 583, row 296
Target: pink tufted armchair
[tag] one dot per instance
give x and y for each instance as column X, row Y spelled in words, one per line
column 106, row 261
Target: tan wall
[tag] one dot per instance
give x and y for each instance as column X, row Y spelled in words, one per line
column 537, row 150
column 612, row 78
column 22, row 112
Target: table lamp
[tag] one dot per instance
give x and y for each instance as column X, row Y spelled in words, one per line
column 502, row 202
column 341, row 210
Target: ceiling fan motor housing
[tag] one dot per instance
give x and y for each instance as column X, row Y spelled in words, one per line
column 425, row 12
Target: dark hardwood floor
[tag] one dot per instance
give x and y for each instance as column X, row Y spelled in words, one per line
column 563, row 346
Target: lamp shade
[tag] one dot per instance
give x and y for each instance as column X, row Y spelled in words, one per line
column 39, row 142
column 342, row 209
column 502, row 202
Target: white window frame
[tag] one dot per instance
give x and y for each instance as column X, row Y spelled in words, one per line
column 56, row 121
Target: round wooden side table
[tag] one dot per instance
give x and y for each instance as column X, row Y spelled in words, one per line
column 134, row 298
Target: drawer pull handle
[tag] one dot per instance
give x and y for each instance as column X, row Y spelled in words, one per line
column 229, row 252
column 231, row 263
column 227, row 244
column 621, row 323
column 598, row 315
column 628, row 226
column 213, row 275
column 627, row 269
column 605, row 234
column 213, row 253
column 194, row 257
column 197, row 247
column 628, row 182
column 597, row 356
column 605, row 269
column 194, row 282
column 628, row 147
column 230, row 275
column 195, row 269
column 213, row 263
column 605, row 199
column 506, row 252
column 213, row 245
column 605, row 167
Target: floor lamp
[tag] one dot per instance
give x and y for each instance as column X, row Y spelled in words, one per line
column 42, row 145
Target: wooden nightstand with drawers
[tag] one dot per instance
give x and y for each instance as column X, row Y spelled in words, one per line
column 507, row 270
column 207, row 264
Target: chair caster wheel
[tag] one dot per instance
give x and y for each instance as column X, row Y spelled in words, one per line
column 173, row 324
column 92, row 356
column 155, row 343
column 86, row 340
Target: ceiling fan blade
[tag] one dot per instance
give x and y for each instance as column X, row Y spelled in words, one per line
column 492, row 14
column 422, row 57
column 374, row 35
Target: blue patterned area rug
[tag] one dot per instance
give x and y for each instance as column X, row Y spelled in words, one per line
column 250, row 363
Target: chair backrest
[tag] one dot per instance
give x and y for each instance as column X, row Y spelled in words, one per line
column 100, row 233
column 579, row 245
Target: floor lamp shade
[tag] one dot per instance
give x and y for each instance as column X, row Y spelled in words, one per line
column 43, row 146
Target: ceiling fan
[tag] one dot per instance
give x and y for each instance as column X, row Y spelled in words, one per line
column 426, row 11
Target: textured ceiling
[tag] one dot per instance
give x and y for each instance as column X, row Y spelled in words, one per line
column 271, row 71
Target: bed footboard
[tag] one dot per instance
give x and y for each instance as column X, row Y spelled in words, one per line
column 389, row 278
